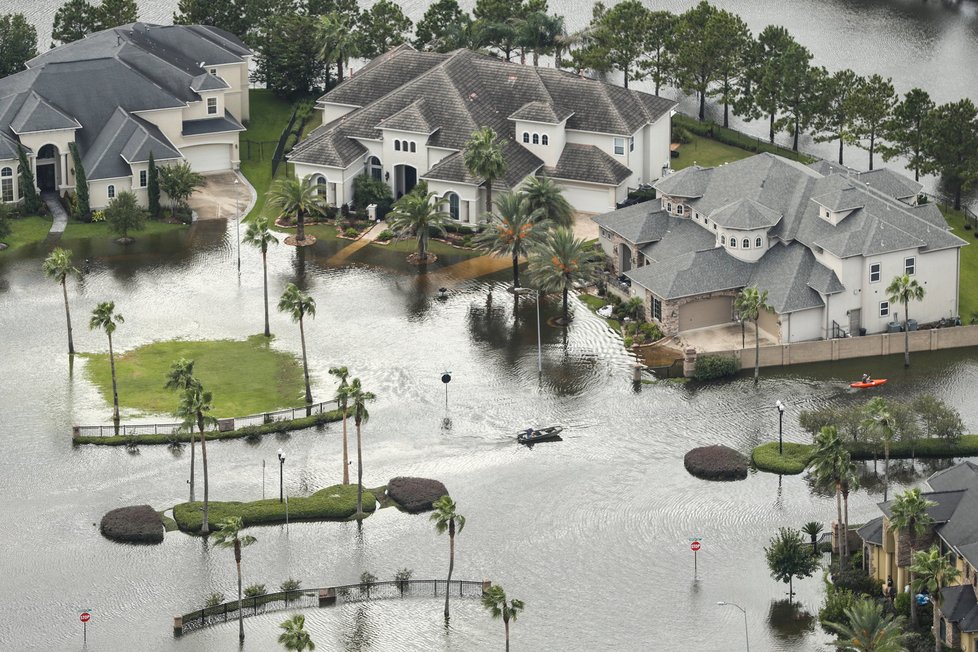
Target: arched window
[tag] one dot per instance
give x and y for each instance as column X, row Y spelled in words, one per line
column 373, row 168
column 745, row 244
column 111, row 191
column 679, row 209
column 321, row 185
column 536, row 139
column 414, row 146
column 397, row 145
column 453, row 205
column 723, row 239
column 733, row 242
column 526, row 136
column 6, row 184
column 757, row 243
column 545, row 139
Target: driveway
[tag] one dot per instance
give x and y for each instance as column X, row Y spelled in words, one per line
column 584, row 227
column 221, row 198
column 725, row 337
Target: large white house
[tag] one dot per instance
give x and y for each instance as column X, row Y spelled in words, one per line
column 823, row 240
column 178, row 91
column 407, row 115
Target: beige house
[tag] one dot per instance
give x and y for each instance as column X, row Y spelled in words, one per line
column 180, row 92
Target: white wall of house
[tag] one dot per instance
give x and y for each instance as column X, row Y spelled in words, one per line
column 98, row 191
column 333, row 112
column 604, row 142
column 235, row 98
column 531, row 136
column 169, row 121
column 469, row 197
column 657, row 152
column 802, row 325
column 751, row 253
column 592, row 197
column 60, row 138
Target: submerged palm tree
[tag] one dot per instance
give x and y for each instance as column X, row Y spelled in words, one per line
column 195, row 407
column 181, row 377
column 483, row 157
column 511, row 230
column 358, row 401
column 446, row 518
column 749, row 304
column 869, row 629
column 295, row 637
column 342, row 400
column 105, row 318
column 933, row 571
column 495, row 601
column 908, row 513
column 832, row 467
column 260, row 237
column 229, row 535
column 560, row 262
column 58, row 267
column 903, row 289
column 879, row 423
column 293, row 196
column 298, row 304
column 418, row 214
column 813, row 529
column 546, row 200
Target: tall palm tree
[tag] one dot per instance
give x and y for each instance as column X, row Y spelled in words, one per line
column 194, row 409
column 546, row 199
column 511, row 230
column 339, row 41
column 295, row 637
column 933, row 571
column 293, row 196
column 181, row 377
column 358, row 401
column 813, row 529
column 343, row 400
column 869, row 629
column 903, row 289
column 418, row 214
column 446, row 518
column 229, row 535
column 831, row 466
column 908, row 513
column 749, row 304
column 483, row 157
column 879, row 423
column 105, row 318
column 260, row 237
column 538, row 32
column 298, row 304
column 58, row 267
column 560, row 262
column 495, row 601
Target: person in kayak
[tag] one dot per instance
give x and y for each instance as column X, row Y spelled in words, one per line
column 866, row 378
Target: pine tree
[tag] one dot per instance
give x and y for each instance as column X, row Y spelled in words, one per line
column 153, row 188
column 82, row 209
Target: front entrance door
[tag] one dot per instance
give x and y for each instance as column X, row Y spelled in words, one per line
column 46, row 178
column 405, row 179
column 854, row 321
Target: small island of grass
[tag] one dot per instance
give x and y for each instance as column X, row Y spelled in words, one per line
column 245, row 377
column 135, row 524
column 716, row 463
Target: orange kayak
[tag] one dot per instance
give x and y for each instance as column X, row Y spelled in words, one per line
column 876, row 382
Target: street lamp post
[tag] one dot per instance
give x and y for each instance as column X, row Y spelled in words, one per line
column 237, row 220
column 746, row 633
column 281, row 465
column 780, row 428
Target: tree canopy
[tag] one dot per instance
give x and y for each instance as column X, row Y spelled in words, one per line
column 18, row 43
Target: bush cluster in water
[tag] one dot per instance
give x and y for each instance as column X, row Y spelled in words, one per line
column 711, row 367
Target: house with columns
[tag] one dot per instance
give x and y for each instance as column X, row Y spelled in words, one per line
column 178, row 91
column 407, row 115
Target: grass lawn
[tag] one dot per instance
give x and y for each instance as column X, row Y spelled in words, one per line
column 594, row 303
column 27, row 230
column 245, row 377
column 706, row 152
column 968, row 287
column 78, row 229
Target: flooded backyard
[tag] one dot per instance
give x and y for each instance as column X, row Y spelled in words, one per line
column 592, row 532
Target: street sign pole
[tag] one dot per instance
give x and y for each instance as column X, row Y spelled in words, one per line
column 84, row 618
column 695, row 547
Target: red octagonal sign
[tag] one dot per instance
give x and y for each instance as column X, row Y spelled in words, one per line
column 85, row 617
column 694, row 546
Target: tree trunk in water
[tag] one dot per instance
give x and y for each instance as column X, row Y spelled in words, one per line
column 423, row 247
column 506, row 626
column 726, row 114
column 770, row 129
column 451, row 562
column 906, row 332
column 264, row 267
column 359, row 473
column 566, row 318
column 71, row 344
column 516, row 271
column 791, row 588
column 626, row 76
column 536, row 58
column 346, row 454
column 192, row 465
column 838, row 509
column 205, row 526
column 305, row 363
column 237, row 561
column 115, row 391
column 757, row 353
column 300, row 232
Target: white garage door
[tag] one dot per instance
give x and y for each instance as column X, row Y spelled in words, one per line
column 208, row 158
column 588, row 199
column 706, row 312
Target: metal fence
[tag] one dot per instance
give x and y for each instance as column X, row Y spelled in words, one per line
column 132, row 429
column 328, row 596
column 280, row 148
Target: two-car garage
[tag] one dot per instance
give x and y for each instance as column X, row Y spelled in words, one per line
column 208, row 158
column 706, row 312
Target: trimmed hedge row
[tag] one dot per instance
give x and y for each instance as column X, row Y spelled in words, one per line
column 797, row 456
column 336, row 503
column 213, row 435
column 735, row 138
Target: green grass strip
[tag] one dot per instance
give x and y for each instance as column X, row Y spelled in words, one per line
column 25, row 231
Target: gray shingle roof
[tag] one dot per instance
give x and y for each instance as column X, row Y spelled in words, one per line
column 539, row 111
column 123, row 140
column 872, row 531
column 211, row 125
column 846, row 198
column 208, row 82
column 791, row 275
column 588, row 163
column 413, row 118
column 745, row 215
column 959, row 605
column 633, row 224
column 8, row 148
column 694, row 273
column 520, row 163
column 890, row 183
column 36, row 114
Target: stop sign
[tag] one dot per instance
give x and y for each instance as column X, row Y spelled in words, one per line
column 85, row 616
column 694, row 546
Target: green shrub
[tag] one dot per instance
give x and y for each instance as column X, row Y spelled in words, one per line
column 214, row 599
column 402, row 577
column 367, row 190
column 467, row 241
column 351, row 232
column 901, row 603
column 796, row 457
column 628, row 341
column 652, row 331
column 711, row 367
column 386, row 234
column 366, row 577
column 858, row 581
column 833, row 610
column 254, row 590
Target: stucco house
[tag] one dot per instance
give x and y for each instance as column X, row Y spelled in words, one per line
column 886, row 550
column 823, row 240
column 407, row 115
column 180, row 92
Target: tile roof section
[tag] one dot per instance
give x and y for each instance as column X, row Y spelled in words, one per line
column 633, row 224
column 412, row 118
column 745, row 215
column 211, row 125
column 690, row 274
column 890, row 183
column 959, row 605
column 520, row 163
column 38, row 115
column 872, row 531
column 588, row 163
column 125, row 139
column 539, row 111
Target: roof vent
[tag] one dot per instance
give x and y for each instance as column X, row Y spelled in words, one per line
column 512, row 78
column 472, row 95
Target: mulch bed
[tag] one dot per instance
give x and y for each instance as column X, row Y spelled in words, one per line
column 716, row 463
column 135, row 524
column 292, row 241
column 415, row 495
column 414, row 259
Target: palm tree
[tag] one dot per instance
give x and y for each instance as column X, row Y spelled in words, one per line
column 879, row 422
column 228, row 536
column 339, row 41
column 417, row 213
column 299, row 304
column 633, row 308
column 483, row 157
column 832, row 467
column 813, row 529
column 195, row 405
column 561, row 261
column 546, row 199
column 869, row 629
column 749, row 304
column 104, row 317
column 908, row 513
column 511, row 230
column 445, row 518
column 358, row 401
column 260, row 237
column 538, row 32
column 903, row 289
column 342, row 400
column 295, row 196
column 181, row 377
column 495, row 601
column 933, row 572
column 58, row 266
column 295, row 637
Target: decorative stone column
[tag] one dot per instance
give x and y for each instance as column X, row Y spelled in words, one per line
column 689, row 363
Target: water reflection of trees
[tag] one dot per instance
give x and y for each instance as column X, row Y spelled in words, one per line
column 359, row 637
column 870, row 475
column 789, row 621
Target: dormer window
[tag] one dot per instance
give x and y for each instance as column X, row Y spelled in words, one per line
column 526, row 136
column 211, row 106
column 679, row 209
column 733, row 243
column 745, row 244
column 545, row 139
column 536, row 139
column 757, row 243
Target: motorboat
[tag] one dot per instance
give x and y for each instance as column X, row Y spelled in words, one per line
column 533, row 436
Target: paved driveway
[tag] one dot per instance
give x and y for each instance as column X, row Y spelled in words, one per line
column 722, row 338
column 216, row 199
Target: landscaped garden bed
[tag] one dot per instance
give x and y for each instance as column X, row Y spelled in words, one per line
column 716, row 463
column 415, row 495
column 135, row 524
